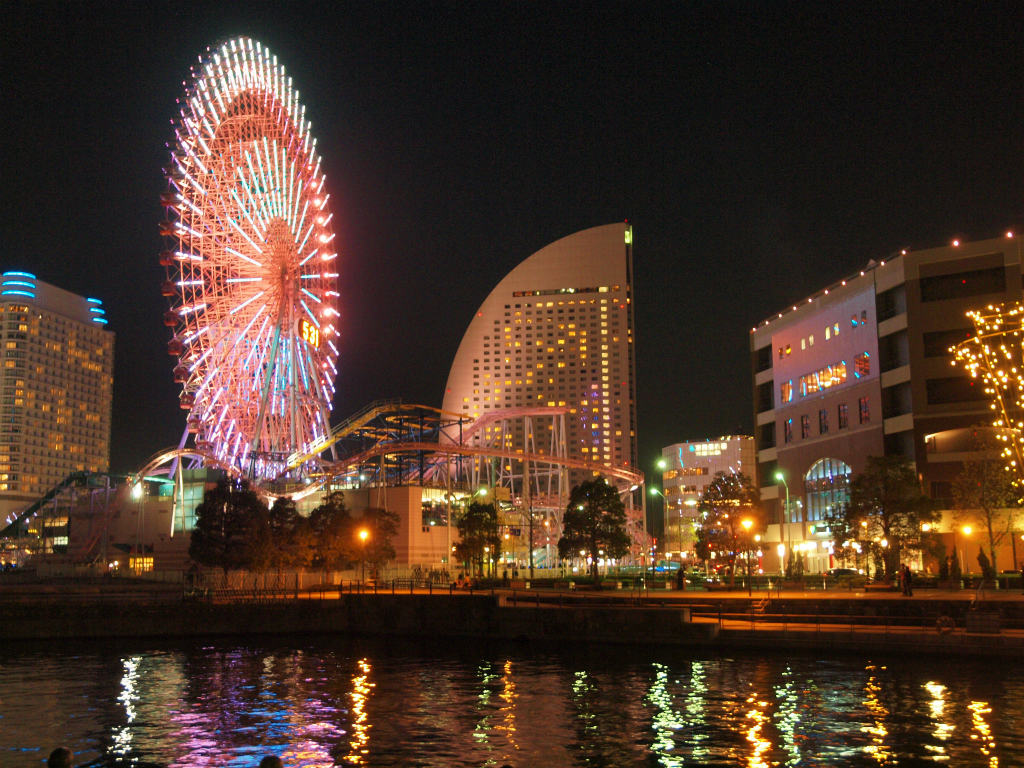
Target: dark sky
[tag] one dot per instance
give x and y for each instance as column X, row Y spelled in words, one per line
column 761, row 150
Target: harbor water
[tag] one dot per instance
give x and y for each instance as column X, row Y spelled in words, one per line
column 329, row 701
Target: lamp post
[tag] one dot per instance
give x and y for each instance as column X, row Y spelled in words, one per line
column 784, row 516
column 655, row 492
column 966, row 530
column 747, row 524
column 138, row 492
column 363, row 536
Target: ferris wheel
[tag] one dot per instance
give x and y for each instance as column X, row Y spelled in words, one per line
column 251, row 274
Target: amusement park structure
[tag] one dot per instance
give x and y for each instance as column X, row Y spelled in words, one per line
column 251, row 274
column 251, row 279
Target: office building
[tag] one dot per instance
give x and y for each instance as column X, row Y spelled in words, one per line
column 56, row 381
column 862, row 368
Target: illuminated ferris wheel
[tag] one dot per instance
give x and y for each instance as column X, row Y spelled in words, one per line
column 251, row 273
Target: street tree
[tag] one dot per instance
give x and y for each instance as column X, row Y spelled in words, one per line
column 728, row 501
column 226, row 521
column 887, row 507
column 284, row 535
column 381, row 526
column 594, row 523
column 479, row 535
column 329, row 534
column 985, row 495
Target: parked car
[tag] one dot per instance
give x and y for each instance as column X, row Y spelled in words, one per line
column 837, row 572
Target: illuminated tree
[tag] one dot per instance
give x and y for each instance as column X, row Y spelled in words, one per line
column 995, row 355
column 728, row 500
column 594, row 522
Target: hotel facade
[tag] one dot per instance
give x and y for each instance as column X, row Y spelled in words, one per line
column 862, row 368
column 557, row 331
column 56, row 385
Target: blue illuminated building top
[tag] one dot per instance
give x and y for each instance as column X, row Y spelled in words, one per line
column 23, row 286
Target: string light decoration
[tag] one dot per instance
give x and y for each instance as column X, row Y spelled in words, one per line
column 251, row 276
column 995, row 355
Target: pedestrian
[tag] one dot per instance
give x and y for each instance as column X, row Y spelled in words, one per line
column 908, row 581
column 61, row 757
column 985, row 564
column 271, row 761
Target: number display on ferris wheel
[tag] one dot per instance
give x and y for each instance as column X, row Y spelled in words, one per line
column 251, row 265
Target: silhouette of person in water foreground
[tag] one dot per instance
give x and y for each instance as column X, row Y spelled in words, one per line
column 61, row 757
column 271, row 761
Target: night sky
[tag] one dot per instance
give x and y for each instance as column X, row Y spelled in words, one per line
column 761, row 151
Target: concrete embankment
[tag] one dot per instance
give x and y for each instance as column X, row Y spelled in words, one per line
column 873, row 625
column 482, row 616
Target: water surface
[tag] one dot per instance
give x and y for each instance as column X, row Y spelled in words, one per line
column 374, row 702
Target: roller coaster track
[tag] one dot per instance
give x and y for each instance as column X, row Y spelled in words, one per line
column 16, row 519
column 353, row 462
column 356, row 421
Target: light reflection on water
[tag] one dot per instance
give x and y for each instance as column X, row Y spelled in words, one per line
column 333, row 702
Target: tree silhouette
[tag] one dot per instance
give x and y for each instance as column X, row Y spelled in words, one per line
column 478, row 528
column 330, row 534
column 382, row 525
column 226, row 523
column 595, row 523
column 886, row 503
column 284, row 536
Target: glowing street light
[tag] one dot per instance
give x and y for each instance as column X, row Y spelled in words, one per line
column 747, row 524
column 784, row 516
column 363, row 536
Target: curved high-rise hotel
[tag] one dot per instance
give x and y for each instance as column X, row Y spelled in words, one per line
column 557, row 331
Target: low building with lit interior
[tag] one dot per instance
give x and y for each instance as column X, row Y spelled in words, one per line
column 686, row 470
column 862, row 368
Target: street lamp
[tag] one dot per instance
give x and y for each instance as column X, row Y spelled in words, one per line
column 363, row 536
column 784, row 515
column 664, row 504
column 966, row 530
column 747, row 524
